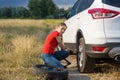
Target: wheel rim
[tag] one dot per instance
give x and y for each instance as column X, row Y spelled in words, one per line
column 80, row 55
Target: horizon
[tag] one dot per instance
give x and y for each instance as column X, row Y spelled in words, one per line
column 24, row 3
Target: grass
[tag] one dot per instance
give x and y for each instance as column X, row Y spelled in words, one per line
column 106, row 71
column 21, row 41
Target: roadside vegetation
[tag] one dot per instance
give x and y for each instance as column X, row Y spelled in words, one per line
column 21, row 41
column 106, row 71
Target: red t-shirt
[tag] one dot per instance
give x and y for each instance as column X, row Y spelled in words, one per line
column 50, row 43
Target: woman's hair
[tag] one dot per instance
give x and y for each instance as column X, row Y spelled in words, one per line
column 62, row 24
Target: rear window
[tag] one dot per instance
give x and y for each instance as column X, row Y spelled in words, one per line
column 115, row 3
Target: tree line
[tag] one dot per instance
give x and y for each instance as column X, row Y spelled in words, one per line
column 36, row 9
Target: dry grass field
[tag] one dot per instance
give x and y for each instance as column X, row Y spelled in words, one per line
column 21, row 41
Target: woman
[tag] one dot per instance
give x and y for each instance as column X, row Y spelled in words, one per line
column 49, row 55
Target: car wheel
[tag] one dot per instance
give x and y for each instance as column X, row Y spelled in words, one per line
column 84, row 62
column 46, row 72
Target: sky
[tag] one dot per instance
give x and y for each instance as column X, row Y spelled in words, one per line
column 64, row 3
column 13, row 3
column 60, row 3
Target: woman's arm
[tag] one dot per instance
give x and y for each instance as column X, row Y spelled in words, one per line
column 60, row 42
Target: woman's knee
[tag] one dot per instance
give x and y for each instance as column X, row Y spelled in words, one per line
column 66, row 53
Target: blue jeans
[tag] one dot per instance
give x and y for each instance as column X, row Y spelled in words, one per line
column 54, row 59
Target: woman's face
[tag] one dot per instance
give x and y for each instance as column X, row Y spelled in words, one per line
column 63, row 28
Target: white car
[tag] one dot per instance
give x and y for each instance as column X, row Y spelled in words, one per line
column 94, row 31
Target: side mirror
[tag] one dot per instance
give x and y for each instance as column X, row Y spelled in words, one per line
column 68, row 15
column 65, row 15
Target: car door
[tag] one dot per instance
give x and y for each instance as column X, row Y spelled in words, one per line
column 69, row 35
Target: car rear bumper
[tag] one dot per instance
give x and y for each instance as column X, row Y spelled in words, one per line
column 112, row 49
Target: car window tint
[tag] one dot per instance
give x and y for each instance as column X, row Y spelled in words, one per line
column 82, row 5
column 89, row 3
column 115, row 3
column 74, row 8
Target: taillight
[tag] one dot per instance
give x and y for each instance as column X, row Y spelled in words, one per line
column 98, row 48
column 100, row 13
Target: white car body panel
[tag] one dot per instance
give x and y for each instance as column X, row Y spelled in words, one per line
column 112, row 26
column 92, row 30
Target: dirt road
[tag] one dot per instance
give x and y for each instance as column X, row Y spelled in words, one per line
column 73, row 72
